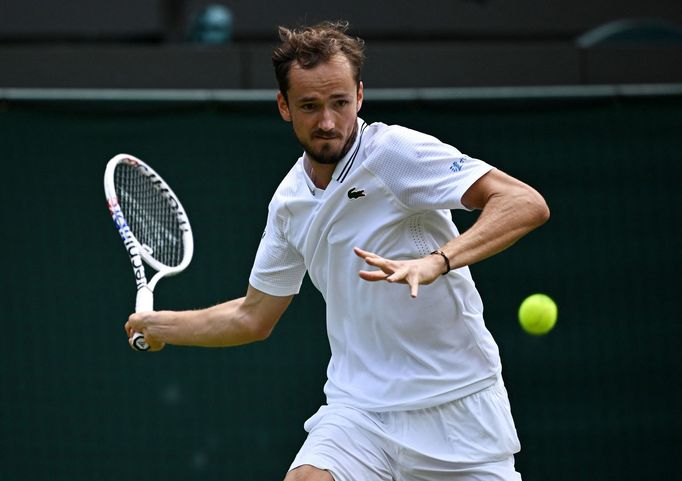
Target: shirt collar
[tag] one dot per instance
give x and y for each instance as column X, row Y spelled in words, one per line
column 346, row 163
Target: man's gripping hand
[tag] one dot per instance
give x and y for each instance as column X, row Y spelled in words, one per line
column 150, row 325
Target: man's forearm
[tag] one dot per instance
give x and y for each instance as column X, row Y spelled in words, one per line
column 218, row 326
column 504, row 219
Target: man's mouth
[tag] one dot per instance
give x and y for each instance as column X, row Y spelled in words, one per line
column 327, row 136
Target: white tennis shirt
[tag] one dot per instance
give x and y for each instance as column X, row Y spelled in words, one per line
column 391, row 195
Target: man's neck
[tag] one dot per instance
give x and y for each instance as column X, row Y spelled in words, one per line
column 320, row 174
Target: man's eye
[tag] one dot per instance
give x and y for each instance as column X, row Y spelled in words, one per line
column 308, row 107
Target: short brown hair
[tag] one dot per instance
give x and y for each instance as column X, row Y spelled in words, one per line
column 310, row 46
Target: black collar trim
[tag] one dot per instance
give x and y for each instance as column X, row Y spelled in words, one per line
column 346, row 168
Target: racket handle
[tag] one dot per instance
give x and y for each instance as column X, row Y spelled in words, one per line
column 143, row 303
column 139, row 344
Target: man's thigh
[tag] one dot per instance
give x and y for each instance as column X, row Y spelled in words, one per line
column 470, row 439
column 502, row 470
column 342, row 443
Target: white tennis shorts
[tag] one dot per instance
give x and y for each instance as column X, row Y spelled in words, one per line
column 468, row 439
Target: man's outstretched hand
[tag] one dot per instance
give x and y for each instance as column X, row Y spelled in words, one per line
column 412, row 272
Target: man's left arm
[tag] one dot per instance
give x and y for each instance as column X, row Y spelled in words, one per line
column 509, row 210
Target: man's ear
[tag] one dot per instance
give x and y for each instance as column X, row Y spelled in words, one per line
column 283, row 107
column 361, row 95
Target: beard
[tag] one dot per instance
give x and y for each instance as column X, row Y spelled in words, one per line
column 326, row 154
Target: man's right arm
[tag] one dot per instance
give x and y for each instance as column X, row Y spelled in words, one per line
column 240, row 321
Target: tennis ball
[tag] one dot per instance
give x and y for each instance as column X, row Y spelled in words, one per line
column 537, row 314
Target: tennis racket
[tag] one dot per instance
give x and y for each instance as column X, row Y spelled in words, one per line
column 152, row 224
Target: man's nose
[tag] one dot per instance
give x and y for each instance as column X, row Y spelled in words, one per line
column 326, row 120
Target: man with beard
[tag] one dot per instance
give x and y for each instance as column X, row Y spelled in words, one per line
column 414, row 388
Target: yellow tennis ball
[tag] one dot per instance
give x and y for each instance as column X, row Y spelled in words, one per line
column 537, row 314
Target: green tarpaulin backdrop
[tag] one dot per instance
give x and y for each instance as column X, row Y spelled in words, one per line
column 597, row 399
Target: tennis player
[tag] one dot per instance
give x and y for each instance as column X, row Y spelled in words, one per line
column 414, row 389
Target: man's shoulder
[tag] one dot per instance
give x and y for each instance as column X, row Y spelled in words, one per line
column 393, row 147
column 397, row 141
column 387, row 136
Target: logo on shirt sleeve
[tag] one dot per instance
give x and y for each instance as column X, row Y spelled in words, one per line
column 458, row 164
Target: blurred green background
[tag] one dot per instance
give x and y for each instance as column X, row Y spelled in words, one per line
column 597, row 399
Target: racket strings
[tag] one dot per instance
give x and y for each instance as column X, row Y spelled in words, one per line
column 149, row 214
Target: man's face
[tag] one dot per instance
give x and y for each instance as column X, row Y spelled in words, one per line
column 322, row 104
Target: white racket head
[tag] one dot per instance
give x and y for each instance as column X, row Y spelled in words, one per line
column 147, row 213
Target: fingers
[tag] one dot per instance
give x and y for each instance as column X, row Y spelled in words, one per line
column 137, row 322
column 134, row 324
column 153, row 345
column 362, row 253
column 414, row 290
column 408, row 276
column 400, row 277
column 373, row 276
column 402, row 272
column 372, row 259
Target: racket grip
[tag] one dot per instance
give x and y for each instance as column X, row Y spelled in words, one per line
column 143, row 303
column 139, row 344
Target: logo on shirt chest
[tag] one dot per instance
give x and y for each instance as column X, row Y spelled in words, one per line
column 355, row 194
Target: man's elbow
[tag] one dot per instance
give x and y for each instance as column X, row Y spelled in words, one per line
column 538, row 209
column 261, row 332
column 254, row 330
column 258, row 329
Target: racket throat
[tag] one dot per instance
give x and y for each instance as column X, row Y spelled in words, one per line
column 145, row 300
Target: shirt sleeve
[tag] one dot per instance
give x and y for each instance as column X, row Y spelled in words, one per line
column 278, row 269
column 421, row 171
